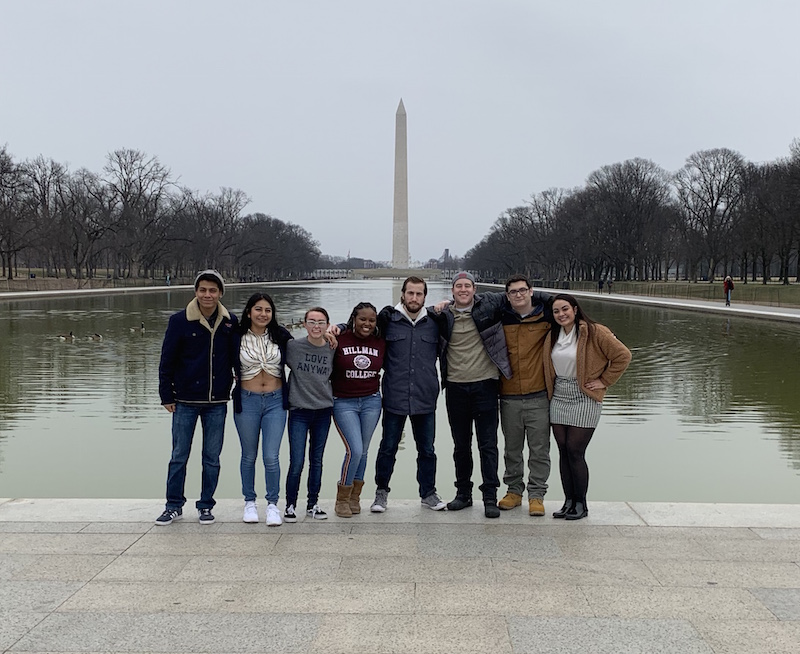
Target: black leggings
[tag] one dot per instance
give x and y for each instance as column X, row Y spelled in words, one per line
column 572, row 443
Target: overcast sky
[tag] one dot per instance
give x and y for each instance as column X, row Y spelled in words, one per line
column 294, row 102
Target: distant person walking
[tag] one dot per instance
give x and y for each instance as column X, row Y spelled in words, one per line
column 608, row 286
column 195, row 375
column 727, row 287
column 600, row 286
column 581, row 359
column 259, row 402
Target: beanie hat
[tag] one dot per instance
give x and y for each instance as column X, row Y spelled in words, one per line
column 464, row 275
column 209, row 276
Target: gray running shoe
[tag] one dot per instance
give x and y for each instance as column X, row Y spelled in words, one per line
column 381, row 500
column 433, row 502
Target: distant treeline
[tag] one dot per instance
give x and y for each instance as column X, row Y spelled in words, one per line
column 134, row 220
column 717, row 215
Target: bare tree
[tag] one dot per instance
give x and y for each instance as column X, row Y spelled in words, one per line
column 17, row 227
column 630, row 200
column 709, row 188
column 85, row 210
column 43, row 179
column 141, row 186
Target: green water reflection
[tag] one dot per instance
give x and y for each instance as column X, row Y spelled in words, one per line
column 706, row 412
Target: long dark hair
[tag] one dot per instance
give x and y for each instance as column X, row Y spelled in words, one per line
column 362, row 305
column 580, row 315
column 273, row 328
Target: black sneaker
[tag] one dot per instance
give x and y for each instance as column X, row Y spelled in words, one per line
column 460, row 502
column 490, row 509
column 205, row 515
column 169, row 516
column 316, row 513
column 289, row 515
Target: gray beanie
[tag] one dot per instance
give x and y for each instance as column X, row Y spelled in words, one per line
column 210, row 276
column 463, row 275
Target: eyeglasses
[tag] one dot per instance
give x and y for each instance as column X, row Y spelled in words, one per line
column 518, row 291
column 316, row 323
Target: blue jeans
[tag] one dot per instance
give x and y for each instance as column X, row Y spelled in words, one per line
column 356, row 419
column 424, row 428
column 315, row 424
column 262, row 413
column 184, row 421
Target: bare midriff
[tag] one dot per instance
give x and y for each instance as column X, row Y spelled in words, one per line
column 262, row 383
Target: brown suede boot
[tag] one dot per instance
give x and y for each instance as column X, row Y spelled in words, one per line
column 355, row 496
column 342, row 506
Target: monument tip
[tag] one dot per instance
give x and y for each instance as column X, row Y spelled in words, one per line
column 401, row 109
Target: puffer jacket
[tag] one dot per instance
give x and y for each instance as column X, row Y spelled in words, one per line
column 485, row 313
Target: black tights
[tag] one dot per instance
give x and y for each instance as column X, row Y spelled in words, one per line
column 572, row 443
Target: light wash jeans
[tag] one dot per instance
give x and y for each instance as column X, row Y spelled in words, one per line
column 262, row 413
column 355, row 419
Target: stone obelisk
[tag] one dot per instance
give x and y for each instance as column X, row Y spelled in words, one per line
column 400, row 216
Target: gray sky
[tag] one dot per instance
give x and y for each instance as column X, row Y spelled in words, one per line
column 294, row 102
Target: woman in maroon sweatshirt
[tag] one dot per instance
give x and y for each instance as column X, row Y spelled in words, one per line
column 356, row 400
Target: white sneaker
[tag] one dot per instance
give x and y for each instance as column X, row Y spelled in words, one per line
column 250, row 512
column 273, row 516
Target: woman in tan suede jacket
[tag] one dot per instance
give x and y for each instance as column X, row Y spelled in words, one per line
column 581, row 359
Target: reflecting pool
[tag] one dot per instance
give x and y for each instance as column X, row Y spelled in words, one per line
column 707, row 412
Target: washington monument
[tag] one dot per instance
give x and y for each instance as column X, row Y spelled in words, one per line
column 400, row 217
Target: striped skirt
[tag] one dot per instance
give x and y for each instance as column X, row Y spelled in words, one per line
column 571, row 407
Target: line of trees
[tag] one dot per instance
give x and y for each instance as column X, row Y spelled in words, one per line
column 134, row 220
column 718, row 215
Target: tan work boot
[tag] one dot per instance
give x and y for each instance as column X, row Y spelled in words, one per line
column 510, row 501
column 355, row 496
column 536, row 506
column 342, row 506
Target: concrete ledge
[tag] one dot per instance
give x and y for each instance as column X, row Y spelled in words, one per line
column 130, row 512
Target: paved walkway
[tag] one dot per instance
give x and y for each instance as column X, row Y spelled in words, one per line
column 99, row 576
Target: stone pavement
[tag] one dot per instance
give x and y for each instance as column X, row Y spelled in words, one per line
column 98, row 576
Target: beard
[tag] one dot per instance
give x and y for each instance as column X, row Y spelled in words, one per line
column 412, row 308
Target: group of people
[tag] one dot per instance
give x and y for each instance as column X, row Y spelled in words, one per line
column 523, row 359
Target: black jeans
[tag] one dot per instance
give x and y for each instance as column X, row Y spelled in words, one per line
column 423, row 426
column 467, row 403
